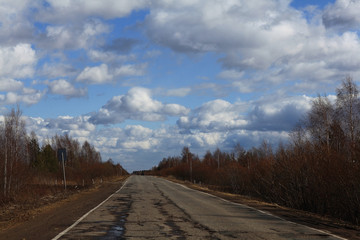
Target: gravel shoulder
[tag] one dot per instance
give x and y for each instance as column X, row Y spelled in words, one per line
column 46, row 221
column 324, row 223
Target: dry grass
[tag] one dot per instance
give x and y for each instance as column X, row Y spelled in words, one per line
column 37, row 198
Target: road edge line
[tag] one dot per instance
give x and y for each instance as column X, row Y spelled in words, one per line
column 261, row 211
column 86, row 214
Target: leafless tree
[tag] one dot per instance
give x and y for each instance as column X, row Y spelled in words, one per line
column 348, row 110
column 320, row 119
column 14, row 152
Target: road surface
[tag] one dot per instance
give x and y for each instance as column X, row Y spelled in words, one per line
column 153, row 208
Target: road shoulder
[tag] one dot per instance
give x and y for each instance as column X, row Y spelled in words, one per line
column 47, row 221
column 312, row 220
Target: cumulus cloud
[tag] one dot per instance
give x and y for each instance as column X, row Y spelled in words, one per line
column 131, row 70
column 78, row 127
column 236, row 25
column 27, row 96
column 15, row 27
column 138, row 138
column 102, row 74
column 133, row 141
column 267, row 114
column 73, row 36
column 69, row 11
column 217, row 115
column 137, row 104
column 95, row 75
column 17, row 61
column 265, row 35
column 65, row 88
column 9, row 84
column 278, row 113
column 342, row 15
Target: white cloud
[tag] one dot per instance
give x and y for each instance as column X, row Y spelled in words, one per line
column 131, row 70
column 137, row 104
column 69, row 11
column 73, row 36
column 28, row 97
column 205, row 26
column 217, row 115
column 77, row 127
column 102, row 74
column 17, row 61
column 95, row 75
column 138, row 138
column 265, row 35
column 270, row 113
column 9, row 84
column 65, row 88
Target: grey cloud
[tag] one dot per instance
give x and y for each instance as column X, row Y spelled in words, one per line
column 342, row 15
column 15, row 25
column 121, row 45
column 267, row 114
column 277, row 113
column 284, row 120
column 249, row 139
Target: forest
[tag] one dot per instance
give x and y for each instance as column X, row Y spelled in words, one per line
column 318, row 170
column 30, row 169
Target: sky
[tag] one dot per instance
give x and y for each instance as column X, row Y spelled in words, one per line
column 141, row 79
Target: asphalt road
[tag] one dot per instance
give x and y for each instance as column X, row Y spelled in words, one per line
column 152, row 208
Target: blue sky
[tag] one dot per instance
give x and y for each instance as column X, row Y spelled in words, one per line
column 141, row 79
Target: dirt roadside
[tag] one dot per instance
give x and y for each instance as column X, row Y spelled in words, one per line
column 47, row 221
column 327, row 224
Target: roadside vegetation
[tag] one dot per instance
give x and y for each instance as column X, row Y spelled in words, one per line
column 318, row 170
column 29, row 171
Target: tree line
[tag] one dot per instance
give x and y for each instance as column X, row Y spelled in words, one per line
column 318, row 170
column 25, row 163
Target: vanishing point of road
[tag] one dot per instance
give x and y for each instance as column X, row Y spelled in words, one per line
column 153, row 208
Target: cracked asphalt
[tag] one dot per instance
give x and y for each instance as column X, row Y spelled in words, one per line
column 153, row 208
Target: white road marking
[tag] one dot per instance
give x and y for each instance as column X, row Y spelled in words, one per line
column 86, row 214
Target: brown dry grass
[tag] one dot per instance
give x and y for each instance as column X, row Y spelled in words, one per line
column 37, row 198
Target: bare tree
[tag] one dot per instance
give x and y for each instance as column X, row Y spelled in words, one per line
column 14, row 152
column 320, row 119
column 347, row 108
